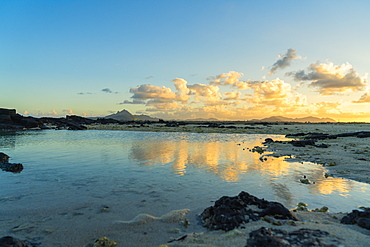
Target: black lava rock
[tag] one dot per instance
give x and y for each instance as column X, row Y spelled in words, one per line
column 303, row 143
column 280, row 238
column 361, row 218
column 268, row 140
column 9, row 241
column 3, row 158
column 230, row 212
column 9, row 167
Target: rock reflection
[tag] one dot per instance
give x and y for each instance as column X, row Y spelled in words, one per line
column 8, row 139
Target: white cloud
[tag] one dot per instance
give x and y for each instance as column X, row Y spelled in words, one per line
column 331, row 79
column 229, row 79
column 183, row 92
column 69, row 111
column 284, row 61
column 235, row 95
column 365, row 98
column 133, row 102
column 146, row 91
column 275, row 92
column 204, row 92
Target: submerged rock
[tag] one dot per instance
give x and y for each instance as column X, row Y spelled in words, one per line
column 4, row 158
column 280, row 238
column 231, row 212
column 102, row 242
column 302, row 143
column 9, row 241
column 9, row 167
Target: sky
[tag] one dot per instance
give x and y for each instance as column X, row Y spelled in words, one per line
column 230, row 60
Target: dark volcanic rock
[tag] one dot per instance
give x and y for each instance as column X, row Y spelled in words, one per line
column 9, row 167
column 3, row 158
column 9, row 241
column 80, row 120
column 230, row 212
column 268, row 140
column 107, row 121
column 9, row 119
column 361, row 218
column 8, row 112
column 303, row 143
column 322, row 136
column 280, row 238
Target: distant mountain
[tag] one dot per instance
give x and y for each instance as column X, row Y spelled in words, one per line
column 125, row 115
column 298, row 120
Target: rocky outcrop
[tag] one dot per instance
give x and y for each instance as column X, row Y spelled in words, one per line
column 9, row 167
column 280, row 238
column 9, row 241
column 9, row 119
column 231, row 212
column 4, row 158
column 361, row 218
column 322, row 136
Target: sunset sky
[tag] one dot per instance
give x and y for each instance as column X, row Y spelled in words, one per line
column 231, row 60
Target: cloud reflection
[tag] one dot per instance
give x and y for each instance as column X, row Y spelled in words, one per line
column 231, row 161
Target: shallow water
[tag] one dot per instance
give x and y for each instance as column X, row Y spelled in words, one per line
column 66, row 172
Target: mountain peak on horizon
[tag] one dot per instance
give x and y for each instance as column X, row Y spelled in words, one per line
column 123, row 111
column 125, row 115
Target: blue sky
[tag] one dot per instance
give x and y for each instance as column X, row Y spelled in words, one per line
column 89, row 57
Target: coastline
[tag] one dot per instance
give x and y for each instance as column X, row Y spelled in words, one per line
column 160, row 232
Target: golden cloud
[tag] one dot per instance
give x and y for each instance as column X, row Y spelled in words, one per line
column 331, row 79
column 275, row 92
column 203, row 92
column 365, row 98
column 146, row 91
column 229, row 79
column 253, row 99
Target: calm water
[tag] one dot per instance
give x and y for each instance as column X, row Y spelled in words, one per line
column 158, row 172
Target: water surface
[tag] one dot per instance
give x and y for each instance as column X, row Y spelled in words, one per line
column 73, row 174
column 167, row 170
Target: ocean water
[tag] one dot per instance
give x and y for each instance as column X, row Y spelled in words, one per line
column 158, row 172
